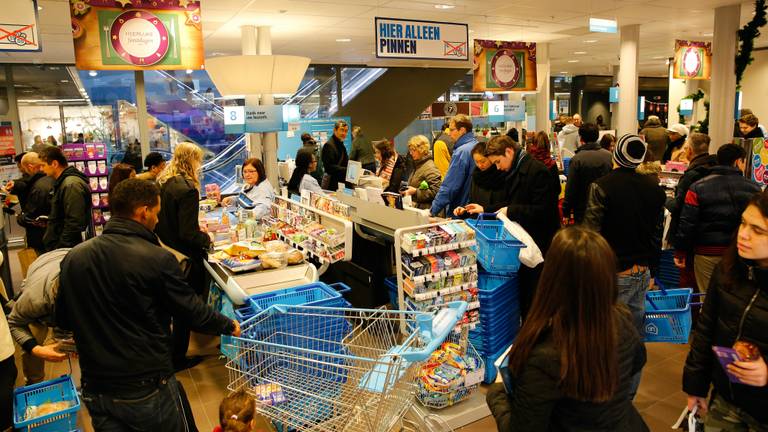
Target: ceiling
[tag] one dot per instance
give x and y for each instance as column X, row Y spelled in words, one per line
column 310, row 28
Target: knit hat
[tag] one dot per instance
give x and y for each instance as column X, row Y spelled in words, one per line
column 630, row 151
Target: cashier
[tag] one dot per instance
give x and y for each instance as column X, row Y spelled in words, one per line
column 257, row 193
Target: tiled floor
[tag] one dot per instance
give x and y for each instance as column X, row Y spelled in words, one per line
column 659, row 398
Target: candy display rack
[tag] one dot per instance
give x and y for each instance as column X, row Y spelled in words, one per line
column 323, row 236
column 436, row 265
column 91, row 160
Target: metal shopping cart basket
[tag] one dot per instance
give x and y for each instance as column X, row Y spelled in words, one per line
column 668, row 314
column 336, row 369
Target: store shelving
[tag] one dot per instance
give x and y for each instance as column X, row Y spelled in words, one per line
column 91, row 160
column 305, row 220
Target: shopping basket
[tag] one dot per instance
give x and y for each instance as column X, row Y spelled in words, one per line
column 497, row 250
column 331, row 369
column 668, row 315
column 59, row 390
column 314, row 294
column 468, row 376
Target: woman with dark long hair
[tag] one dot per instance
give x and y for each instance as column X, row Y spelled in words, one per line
column 120, row 172
column 488, row 188
column 573, row 361
column 735, row 315
column 301, row 179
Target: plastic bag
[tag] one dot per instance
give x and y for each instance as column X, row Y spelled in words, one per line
column 530, row 255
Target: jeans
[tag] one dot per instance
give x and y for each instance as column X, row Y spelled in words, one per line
column 632, row 288
column 8, row 374
column 158, row 407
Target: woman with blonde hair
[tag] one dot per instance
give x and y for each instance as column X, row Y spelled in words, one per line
column 179, row 229
column 425, row 180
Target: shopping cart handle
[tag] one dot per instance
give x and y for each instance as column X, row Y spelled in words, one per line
column 433, row 329
column 341, row 287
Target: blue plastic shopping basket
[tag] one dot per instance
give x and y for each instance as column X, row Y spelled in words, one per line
column 61, row 389
column 497, row 250
column 668, row 315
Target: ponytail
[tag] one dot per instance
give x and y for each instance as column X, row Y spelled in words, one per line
column 236, row 412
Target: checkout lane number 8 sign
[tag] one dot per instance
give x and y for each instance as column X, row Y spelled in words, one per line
column 234, row 115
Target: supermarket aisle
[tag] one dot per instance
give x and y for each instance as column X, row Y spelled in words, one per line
column 659, row 398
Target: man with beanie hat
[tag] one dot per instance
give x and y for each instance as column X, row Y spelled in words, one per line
column 627, row 209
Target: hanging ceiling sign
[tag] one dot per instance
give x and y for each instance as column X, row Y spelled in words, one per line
column 504, row 66
column 599, row 25
column 410, row 39
column 18, row 26
column 137, row 34
column 693, row 60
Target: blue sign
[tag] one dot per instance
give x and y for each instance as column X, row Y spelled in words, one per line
column 264, row 118
column 686, row 107
column 289, row 142
column 496, row 111
column 613, row 95
column 600, row 25
column 641, row 108
column 553, row 110
column 737, row 113
column 514, row 110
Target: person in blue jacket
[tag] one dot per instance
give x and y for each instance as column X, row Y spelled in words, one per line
column 454, row 191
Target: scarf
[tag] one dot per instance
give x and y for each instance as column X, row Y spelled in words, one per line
column 541, row 154
column 386, row 170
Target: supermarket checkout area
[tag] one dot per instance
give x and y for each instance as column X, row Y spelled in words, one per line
column 339, row 237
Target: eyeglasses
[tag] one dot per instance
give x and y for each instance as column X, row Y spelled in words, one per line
column 247, row 171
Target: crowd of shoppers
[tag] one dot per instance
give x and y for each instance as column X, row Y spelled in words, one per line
column 578, row 358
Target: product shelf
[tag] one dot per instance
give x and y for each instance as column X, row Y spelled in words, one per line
column 430, row 294
column 416, row 252
column 441, row 274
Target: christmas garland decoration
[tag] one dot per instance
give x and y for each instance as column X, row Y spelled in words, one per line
column 747, row 36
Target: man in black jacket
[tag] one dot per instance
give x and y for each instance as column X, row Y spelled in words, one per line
column 590, row 163
column 531, row 201
column 627, row 208
column 120, row 310
column 712, row 212
column 70, row 204
column 37, row 201
column 334, row 157
column 698, row 168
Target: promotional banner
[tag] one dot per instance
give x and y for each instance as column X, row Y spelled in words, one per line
column 137, row 34
column 504, row 66
column 693, row 60
column 410, row 39
column 18, row 26
column 759, row 166
column 7, row 147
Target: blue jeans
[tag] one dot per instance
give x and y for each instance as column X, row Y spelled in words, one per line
column 632, row 288
column 152, row 408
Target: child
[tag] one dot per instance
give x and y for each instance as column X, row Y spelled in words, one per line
column 237, row 413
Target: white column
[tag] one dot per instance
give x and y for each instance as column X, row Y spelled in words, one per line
column 141, row 113
column 269, row 139
column 249, row 47
column 677, row 90
column 628, row 82
column 722, row 95
column 614, row 105
column 542, row 97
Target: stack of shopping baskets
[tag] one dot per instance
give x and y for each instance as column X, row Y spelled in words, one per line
column 669, row 274
column 498, row 254
column 329, row 369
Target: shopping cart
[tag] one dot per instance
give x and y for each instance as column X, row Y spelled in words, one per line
column 668, row 314
column 331, row 369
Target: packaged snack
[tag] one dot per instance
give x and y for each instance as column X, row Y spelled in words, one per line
column 274, row 260
column 269, row 394
column 93, row 182
column 276, row 246
column 103, row 183
column 92, row 168
column 746, row 350
column 95, row 199
column 102, row 167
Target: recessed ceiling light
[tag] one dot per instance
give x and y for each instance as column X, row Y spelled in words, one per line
column 564, row 72
column 444, row 6
column 39, row 8
column 707, row 34
column 573, row 61
column 659, row 57
column 65, row 81
column 189, row 71
column 344, row 40
column 93, row 73
column 590, row 41
column 580, row 52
